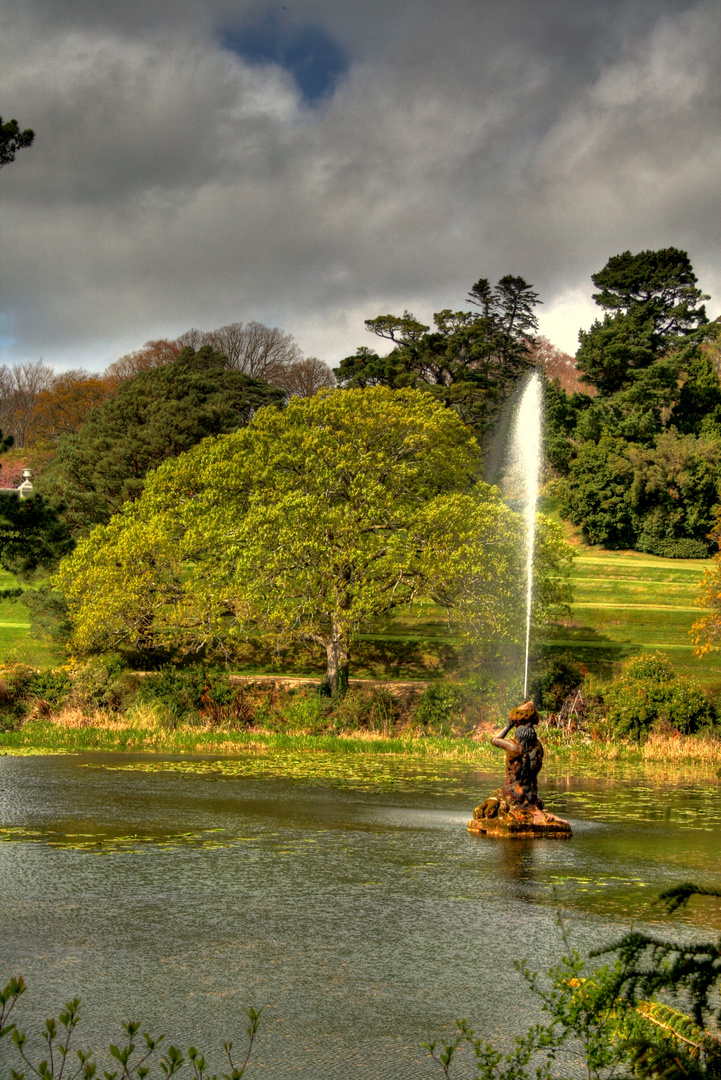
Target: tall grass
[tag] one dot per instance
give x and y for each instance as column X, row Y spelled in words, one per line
column 70, row 732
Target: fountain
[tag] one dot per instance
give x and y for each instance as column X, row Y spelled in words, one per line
column 527, row 454
column 516, row 809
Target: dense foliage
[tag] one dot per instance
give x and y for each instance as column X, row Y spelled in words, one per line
column 32, row 534
column 307, row 526
column 649, row 693
column 12, row 139
column 469, row 360
column 641, row 458
column 158, row 414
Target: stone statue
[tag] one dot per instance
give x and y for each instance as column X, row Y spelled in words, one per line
column 524, row 757
column 515, row 809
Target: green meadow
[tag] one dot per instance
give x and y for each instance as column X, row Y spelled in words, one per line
column 626, row 602
column 17, row 641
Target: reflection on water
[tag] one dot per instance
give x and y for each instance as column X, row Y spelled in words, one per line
column 347, row 897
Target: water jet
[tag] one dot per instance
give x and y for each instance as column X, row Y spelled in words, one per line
column 527, row 458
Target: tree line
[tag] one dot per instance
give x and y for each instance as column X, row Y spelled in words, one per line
column 194, row 411
column 638, row 446
column 38, row 405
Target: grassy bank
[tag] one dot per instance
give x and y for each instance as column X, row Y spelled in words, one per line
column 626, row 603
column 43, row 736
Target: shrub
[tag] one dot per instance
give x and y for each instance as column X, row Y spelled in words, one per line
column 23, row 688
column 305, row 712
column 370, row 710
column 187, row 691
column 104, row 683
column 440, row 707
column 650, row 692
column 554, row 679
column 675, row 549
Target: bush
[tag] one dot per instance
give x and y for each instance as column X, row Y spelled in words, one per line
column 369, row 710
column 24, row 688
column 675, row 549
column 187, row 691
column 649, row 692
column 554, row 679
column 104, row 683
column 440, row 707
column 304, row 712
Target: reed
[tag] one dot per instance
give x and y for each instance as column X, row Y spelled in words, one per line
column 677, row 749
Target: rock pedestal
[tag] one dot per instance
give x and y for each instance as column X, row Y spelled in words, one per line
column 499, row 817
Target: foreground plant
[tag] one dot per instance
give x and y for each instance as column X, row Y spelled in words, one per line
column 135, row 1057
column 610, row 1021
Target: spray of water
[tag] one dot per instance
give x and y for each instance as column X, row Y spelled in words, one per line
column 527, row 454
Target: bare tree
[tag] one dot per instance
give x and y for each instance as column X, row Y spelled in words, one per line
column 153, row 354
column 6, row 388
column 306, row 377
column 192, row 339
column 263, row 352
column 20, row 388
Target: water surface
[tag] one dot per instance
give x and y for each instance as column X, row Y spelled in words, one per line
column 345, row 896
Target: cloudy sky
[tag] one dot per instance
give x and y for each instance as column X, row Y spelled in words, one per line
column 317, row 162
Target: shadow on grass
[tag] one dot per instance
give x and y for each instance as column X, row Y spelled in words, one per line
column 372, row 657
column 599, row 653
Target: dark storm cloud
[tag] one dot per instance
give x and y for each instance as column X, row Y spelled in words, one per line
column 311, row 164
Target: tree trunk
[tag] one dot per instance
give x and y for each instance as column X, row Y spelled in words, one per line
column 338, row 655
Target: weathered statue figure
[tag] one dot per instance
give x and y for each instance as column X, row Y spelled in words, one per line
column 515, row 809
column 524, row 756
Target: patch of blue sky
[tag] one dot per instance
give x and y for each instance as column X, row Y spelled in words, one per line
column 7, row 337
column 305, row 50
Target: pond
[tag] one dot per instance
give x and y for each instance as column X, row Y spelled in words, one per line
column 345, row 896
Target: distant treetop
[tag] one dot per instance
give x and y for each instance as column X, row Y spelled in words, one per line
column 13, row 139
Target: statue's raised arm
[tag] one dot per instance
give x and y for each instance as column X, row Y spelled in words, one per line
column 515, row 809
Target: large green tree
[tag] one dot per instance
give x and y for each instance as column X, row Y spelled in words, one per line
column 651, row 303
column 659, row 498
column 308, row 526
column 640, row 458
column 158, row 414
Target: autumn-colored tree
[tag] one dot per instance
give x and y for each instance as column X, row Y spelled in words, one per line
column 64, row 407
column 557, row 365
column 308, row 526
column 153, row 354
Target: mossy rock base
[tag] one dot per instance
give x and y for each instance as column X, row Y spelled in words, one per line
column 497, row 817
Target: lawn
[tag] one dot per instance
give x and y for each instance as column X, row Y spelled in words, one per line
column 16, row 639
column 626, row 602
